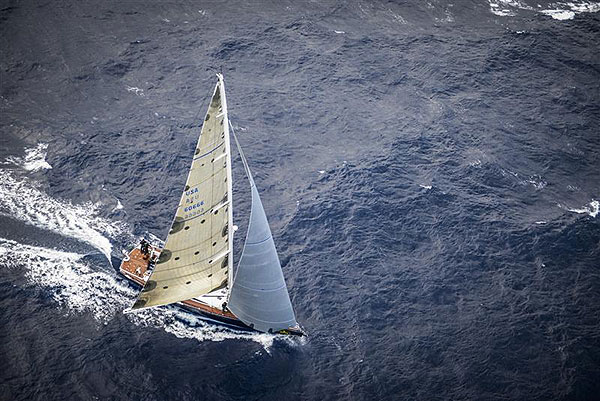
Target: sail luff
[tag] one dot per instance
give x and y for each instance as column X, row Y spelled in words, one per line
column 226, row 124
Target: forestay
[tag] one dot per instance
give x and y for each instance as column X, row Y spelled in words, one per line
column 259, row 296
column 197, row 256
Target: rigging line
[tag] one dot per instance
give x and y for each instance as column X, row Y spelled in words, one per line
column 246, row 167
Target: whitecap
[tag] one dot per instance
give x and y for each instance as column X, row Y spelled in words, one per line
column 584, row 6
column 537, row 182
column 184, row 324
column 397, row 17
column 560, row 11
column 137, row 91
column 504, row 8
column 560, row 15
column 592, row 210
column 160, row 243
column 118, row 207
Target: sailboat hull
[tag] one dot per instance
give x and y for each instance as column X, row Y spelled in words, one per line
column 135, row 267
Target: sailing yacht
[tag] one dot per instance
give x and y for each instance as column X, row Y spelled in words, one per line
column 195, row 268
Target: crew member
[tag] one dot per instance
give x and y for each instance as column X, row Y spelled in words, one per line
column 144, row 247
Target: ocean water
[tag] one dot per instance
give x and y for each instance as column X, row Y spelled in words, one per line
column 430, row 171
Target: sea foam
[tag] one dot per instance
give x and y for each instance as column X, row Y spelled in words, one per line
column 22, row 200
column 592, row 210
column 79, row 285
column 34, row 159
column 560, row 10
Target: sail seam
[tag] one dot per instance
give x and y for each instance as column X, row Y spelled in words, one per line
column 177, row 278
column 260, row 289
column 260, row 242
column 203, row 181
column 212, row 257
column 208, row 145
column 209, row 152
column 270, row 322
column 191, row 247
column 212, row 209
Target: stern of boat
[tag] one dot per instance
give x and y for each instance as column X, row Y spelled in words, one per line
column 136, row 266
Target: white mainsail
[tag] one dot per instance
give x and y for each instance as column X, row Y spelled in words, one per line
column 197, row 257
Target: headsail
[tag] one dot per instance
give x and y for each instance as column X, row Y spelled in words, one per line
column 259, row 296
column 197, row 256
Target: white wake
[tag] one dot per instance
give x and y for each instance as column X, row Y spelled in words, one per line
column 70, row 281
column 34, row 159
column 21, row 200
column 80, row 288
column 77, row 284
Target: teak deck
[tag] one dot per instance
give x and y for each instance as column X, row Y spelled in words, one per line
column 135, row 269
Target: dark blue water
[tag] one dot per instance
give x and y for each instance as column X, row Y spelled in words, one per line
column 430, row 171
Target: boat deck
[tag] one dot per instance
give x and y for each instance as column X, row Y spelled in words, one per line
column 136, row 268
column 136, row 265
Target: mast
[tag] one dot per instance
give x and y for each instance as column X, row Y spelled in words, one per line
column 229, row 184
